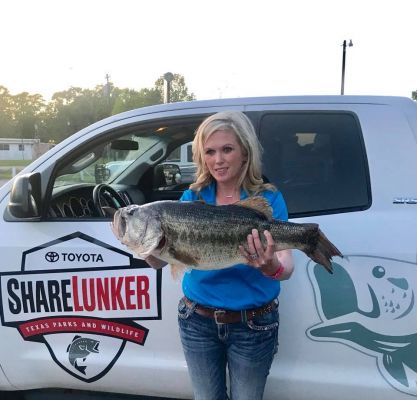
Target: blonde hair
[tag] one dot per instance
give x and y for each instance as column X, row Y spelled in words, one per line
column 237, row 122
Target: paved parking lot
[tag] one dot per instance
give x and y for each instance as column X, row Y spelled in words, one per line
column 70, row 395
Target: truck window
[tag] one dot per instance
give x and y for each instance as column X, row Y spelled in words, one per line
column 190, row 153
column 317, row 160
column 175, row 156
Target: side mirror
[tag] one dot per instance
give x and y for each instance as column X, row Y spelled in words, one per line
column 25, row 196
column 166, row 175
column 101, row 173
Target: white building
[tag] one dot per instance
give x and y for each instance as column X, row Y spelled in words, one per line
column 22, row 149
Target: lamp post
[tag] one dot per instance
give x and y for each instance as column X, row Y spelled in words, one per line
column 168, row 77
column 342, row 90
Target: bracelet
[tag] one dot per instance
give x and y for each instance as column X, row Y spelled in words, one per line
column 277, row 274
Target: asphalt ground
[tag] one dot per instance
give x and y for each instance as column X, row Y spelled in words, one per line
column 68, row 394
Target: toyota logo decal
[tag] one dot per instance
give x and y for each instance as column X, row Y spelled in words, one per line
column 52, row 256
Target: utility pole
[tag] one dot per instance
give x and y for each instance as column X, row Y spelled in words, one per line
column 107, row 77
column 342, row 90
column 106, row 89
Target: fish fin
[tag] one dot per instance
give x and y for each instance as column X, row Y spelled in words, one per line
column 182, row 256
column 258, row 204
column 324, row 250
column 177, row 270
column 76, row 337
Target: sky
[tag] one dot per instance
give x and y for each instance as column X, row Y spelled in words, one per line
column 223, row 48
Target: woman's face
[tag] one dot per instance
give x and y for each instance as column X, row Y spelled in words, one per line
column 224, row 157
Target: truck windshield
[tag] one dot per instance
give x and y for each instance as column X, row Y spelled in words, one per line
column 105, row 162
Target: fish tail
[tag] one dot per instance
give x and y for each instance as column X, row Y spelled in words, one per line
column 80, row 368
column 323, row 251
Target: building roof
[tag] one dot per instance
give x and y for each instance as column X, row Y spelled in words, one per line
column 18, row 141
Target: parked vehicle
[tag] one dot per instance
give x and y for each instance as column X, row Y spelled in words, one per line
column 79, row 311
column 183, row 157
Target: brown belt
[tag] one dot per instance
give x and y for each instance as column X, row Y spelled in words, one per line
column 228, row 316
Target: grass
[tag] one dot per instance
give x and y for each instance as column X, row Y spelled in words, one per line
column 6, row 167
column 14, row 163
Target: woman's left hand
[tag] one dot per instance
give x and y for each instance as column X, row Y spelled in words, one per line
column 263, row 258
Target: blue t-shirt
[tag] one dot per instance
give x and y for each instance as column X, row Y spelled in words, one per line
column 240, row 286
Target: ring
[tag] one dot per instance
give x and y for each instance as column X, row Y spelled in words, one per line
column 253, row 256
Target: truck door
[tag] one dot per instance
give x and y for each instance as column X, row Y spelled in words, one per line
column 76, row 306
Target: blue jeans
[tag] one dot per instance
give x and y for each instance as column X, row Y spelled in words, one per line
column 247, row 348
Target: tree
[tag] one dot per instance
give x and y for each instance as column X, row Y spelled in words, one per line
column 129, row 99
column 7, row 125
column 179, row 90
column 28, row 116
column 25, row 110
column 74, row 109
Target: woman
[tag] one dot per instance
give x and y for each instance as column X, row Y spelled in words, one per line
column 229, row 317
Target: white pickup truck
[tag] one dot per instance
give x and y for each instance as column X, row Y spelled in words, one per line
column 79, row 311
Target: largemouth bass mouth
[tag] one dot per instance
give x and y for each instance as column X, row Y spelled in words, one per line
column 202, row 236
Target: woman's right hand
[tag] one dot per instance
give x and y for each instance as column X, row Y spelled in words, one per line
column 266, row 259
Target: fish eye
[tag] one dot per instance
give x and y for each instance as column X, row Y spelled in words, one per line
column 378, row 271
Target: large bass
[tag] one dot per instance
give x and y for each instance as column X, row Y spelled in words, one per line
column 202, row 236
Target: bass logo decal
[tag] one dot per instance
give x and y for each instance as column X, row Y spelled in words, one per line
column 369, row 305
column 83, row 299
column 80, row 348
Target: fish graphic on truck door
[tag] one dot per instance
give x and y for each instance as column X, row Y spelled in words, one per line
column 368, row 304
column 80, row 348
